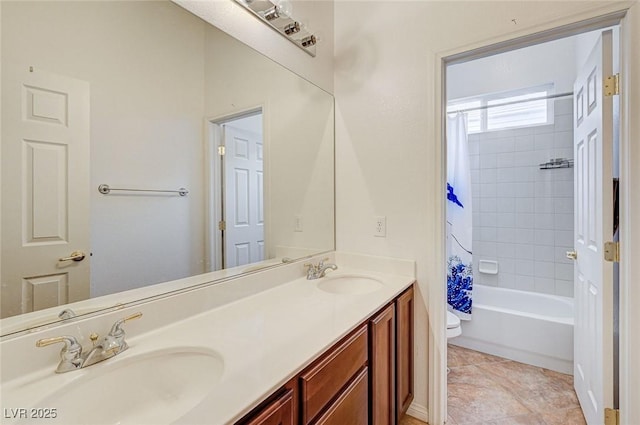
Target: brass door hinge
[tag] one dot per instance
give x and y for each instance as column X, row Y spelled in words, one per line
column 222, row 225
column 611, row 416
column 221, row 150
column 612, row 85
column 612, row 251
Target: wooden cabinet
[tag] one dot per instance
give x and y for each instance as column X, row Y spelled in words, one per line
column 278, row 412
column 364, row 379
column 323, row 380
column 391, row 363
column 404, row 351
column 382, row 330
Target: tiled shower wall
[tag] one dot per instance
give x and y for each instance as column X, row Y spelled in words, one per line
column 522, row 215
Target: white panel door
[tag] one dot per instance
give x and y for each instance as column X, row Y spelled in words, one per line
column 593, row 285
column 45, row 189
column 243, row 203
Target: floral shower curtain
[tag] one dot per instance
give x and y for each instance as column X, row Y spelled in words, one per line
column 459, row 218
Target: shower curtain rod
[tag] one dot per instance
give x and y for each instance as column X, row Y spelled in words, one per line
column 551, row 96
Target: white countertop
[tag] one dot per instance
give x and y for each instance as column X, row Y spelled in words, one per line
column 264, row 340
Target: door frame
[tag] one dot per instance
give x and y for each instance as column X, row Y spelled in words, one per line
column 628, row 17
column 213, row 175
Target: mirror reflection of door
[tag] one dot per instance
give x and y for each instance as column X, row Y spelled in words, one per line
column 242, row 191
column 45, row 190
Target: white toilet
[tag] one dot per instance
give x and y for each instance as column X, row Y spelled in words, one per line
column 453, row 325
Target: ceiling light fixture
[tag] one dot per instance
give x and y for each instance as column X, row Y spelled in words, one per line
column 274, row 13
column 292, row 28
column 278, row 15
column 309, row 41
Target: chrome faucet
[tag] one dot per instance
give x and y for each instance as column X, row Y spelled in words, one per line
column 316, row 271
column 72, row 356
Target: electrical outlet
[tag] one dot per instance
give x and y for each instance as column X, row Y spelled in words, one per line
column 380, row 226
column 297, row 226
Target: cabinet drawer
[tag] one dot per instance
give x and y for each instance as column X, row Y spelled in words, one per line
column 352, row 406
column 322, row 381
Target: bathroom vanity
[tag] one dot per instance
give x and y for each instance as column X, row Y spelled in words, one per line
column 367, row 373
column 271, row 347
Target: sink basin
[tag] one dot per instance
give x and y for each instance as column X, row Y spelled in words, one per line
column 153, row 388
column 349, row 284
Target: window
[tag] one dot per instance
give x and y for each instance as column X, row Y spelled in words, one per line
column 474, row 116
column 500, row 111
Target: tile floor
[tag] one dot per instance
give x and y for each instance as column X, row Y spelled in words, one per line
column 490, row 390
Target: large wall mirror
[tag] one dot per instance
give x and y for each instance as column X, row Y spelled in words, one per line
column 148, row 99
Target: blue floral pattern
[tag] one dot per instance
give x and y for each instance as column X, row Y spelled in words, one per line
column 453, row 197
column 459, row 284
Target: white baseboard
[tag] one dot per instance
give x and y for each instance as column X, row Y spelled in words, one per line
column 418, row 411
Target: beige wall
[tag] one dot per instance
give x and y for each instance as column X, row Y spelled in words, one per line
column 387, row 142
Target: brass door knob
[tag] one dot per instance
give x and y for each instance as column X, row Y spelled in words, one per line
column 572, row 255
column 75, row 256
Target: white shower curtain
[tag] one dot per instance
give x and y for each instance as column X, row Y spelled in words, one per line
column 459, row 218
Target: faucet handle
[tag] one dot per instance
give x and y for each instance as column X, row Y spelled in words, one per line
column 114, row 342
column 70, row 356
column 321, row 263
column 312, row 269
column 70, row 343
column 116, row 329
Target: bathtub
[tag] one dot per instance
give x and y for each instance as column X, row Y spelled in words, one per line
column 527, row 327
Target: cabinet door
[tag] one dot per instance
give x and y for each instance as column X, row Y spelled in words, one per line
column 404, row 351
column 382, row 367
column 351, row 407
column 279, row 412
